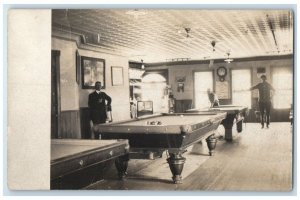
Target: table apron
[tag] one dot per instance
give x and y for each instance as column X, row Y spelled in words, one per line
column 63, row 167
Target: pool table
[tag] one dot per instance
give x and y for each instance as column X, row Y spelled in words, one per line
column 237, row 113
column 77, row 163
column 171, row 132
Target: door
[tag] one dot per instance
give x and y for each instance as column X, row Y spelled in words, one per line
column 55, row 94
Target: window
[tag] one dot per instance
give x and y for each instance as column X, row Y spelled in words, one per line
column 241, row 82
column 283, row 85
column 203, row 81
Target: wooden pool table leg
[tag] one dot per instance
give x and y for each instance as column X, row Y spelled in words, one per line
column 211, row 144
column 228, row 124
column 121, row 165
column 176, row 163
column 239, row 126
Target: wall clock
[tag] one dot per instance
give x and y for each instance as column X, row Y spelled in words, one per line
column 222, row 72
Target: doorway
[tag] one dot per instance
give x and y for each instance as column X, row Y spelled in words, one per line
column 55, row 94
column 154, row 89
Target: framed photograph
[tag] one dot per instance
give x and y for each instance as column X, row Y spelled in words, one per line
column 117, row 76
column 92, row 70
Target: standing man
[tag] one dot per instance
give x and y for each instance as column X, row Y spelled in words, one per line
column 98, row 106
column 264, row 89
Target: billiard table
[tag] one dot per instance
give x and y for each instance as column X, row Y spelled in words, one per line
column 237, row 113
column 171, row 132
column 77, row 163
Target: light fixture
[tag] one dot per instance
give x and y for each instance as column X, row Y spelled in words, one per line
column 228, row 60
column 142, row 66
column 187, row 38
column 213, row 44
column 187, row 30
column 212, row 57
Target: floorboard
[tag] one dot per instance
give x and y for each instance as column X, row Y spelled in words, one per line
column 257, row 160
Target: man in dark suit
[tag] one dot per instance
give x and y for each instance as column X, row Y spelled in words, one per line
column 98, row 106
column 264, row 89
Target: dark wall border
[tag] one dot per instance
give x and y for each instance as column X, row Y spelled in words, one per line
column 192, row 62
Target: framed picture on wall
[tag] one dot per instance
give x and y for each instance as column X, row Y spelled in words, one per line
column 117, row 75
column 92, row 70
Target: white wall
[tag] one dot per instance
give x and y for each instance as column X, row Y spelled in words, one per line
column 73, row 96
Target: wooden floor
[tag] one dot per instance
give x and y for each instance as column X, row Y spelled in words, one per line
column 257, row 160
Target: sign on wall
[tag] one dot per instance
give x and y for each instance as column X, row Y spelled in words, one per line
column 222, row 90
column 117, row 75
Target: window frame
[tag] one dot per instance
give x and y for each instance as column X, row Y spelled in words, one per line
column 271, row 81
column 194, row 89
column 251, row 83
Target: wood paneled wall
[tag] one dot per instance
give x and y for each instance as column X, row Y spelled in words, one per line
column 70, row 124
column 280, row 115
column 85, row 123
column 182, row 105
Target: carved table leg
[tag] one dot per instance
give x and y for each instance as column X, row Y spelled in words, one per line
column 211, row 144
column 176, row 163
column 121, row 164
column 228, row 124
column 239, row 126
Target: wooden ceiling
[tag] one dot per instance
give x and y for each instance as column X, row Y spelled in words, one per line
column 155, row 35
